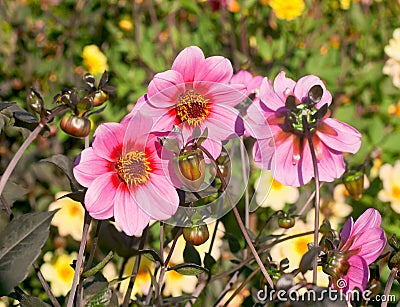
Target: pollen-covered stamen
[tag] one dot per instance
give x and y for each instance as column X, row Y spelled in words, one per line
column 295, row 118
column 133, row 168
column 192, row 108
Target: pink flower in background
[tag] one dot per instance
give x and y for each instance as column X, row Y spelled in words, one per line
column 195, row 92
column 361, row 244
column 252, row 83
column 276, row 121
column 125, row 176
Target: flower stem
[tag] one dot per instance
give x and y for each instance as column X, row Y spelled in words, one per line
column 135, row 269
column 80, row 259
column 317, row 196
column 246, row 192
column 32, row 136
column 388, row 287
column 45, row 285
column 94, row 245
column 239, row 220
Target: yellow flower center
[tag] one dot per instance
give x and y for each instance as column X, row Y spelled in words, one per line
column 75, row 209
column 133, row 167
column 276, row 185
column 396, row 191
column 192, row 108
column 65, row 272
column 300, row 245
column 175, row 275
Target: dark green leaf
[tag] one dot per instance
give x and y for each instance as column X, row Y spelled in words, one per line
column 191, row 255
column 177, row 300
column 25, row 120
column 308, row 259
column 66, row 165
column 20, row 244
column 6, row 104
column 77, row 196
column 233, row 242
column 151, row 254
column 13, row 192
column 96, row 292
column 209, row 261
column 188, row 269
column 31, row 301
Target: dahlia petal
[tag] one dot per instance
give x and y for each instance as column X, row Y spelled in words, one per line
column 347, row 139
column 137, row 132
column 223, row 123
column 139, row 104
column 254, row 84
column 263, row 153
column 256, row 123
column 165, row 89
column 358, row 273
column 370, row 244
column 214, row 69
column 100, row 195
column 128, row 215
column 304, row 84
column 282, row 86
column 188, row 61
column 218, row 93
column 268, row 97
column 107, row 141
column 163, row 119
column 371, row 218
column 331, row 166
column 159, row 199
column 89, row 166
column 242, row 76
column 346, row 230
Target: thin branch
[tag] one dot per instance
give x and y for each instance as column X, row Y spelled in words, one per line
column 45, row 285
column 388, row 287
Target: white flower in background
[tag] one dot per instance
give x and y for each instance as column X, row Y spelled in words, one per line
column 294, row 249
column 271, row 193
column 57, row 270
column 392, row 65
column 390, row 177
column 69, row 219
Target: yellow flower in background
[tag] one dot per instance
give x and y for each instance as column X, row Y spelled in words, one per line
column 271, row 193
column 390, row 177
column 69, row 219
column 287, row 10
column 176, row 283
column 57, row 270
column 94, row 60
column 392, row 65
column 143, row 278
column 294, row 250
column 345, row 4
column 125, row 24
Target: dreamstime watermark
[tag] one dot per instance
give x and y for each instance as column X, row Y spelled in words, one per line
column 312, row 295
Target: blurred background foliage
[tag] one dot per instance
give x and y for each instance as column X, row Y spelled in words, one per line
column 43, row 47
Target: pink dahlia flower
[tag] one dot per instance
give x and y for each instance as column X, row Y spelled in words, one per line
column 277, row 122
column 196, row 92
column 361, row 244
column 125, row 176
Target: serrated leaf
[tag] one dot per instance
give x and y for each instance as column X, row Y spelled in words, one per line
column 188, row 269
column 66, row 165
column 151, row 254
column 191, row 255
column 308, row 259
column 96, row 292
column 20, row 244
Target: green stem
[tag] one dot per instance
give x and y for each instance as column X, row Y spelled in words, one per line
column 239, row 220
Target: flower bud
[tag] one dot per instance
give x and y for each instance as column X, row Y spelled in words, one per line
column 99, row 98
column 196, row 235
column 190, row 168
column 35, row 101
column 76, row 126
column 286, row 222
column 354, row 183
column 336, row 266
